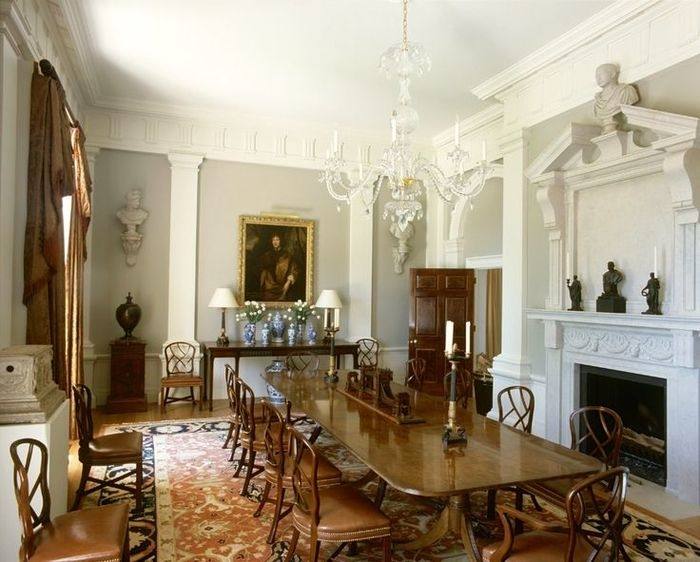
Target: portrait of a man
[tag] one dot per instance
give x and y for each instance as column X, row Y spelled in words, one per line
column 276, row 259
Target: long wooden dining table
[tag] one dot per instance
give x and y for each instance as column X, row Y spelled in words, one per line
column 411, row 458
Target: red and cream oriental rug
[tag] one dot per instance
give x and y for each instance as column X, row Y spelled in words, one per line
column 193, row 511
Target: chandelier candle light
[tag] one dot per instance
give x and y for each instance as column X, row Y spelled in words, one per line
column 404, row 173
column 454, row 434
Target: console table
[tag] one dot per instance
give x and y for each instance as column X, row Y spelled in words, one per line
column 236, row 350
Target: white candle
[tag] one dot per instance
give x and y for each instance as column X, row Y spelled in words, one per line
column 483, row 150
column 393, row 129
column 449, row 335
column 359, row 159
column 568, row 265
column 656, row 263
column 457, row 130
column 468, row 338
column 335, row 141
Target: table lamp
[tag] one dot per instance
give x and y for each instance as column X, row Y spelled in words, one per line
column 331, row 304
column 223, row 298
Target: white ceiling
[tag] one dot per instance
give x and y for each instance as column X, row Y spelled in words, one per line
column 309, row 60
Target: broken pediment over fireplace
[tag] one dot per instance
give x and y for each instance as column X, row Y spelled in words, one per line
column 617, row 197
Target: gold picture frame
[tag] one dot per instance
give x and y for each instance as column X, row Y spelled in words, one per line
column 276, row 272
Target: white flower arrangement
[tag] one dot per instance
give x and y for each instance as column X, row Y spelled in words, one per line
column 253, row 312
column 300, row 312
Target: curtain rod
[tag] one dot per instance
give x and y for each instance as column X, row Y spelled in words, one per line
column 47, row 69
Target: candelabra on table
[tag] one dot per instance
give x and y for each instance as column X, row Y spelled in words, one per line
column 453, row 433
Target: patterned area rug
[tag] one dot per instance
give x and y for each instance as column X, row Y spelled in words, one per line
column 193, row 511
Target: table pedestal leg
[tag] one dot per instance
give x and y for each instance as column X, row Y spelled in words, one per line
column 455, row 518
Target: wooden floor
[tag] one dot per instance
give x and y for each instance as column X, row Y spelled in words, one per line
column 101, row 419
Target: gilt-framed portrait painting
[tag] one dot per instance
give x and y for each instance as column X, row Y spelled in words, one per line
column 276, row 258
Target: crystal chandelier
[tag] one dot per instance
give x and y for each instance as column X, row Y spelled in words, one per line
column 404, row 173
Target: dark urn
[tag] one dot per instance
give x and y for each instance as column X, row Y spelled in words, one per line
column 128, row 316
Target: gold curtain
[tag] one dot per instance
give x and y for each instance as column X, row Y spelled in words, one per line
column 49, row 179
column 81, row 211
column 493, row 312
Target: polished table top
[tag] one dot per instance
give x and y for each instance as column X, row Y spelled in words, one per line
column 411, row 457
column 275, row 347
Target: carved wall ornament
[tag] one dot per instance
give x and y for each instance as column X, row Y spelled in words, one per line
column 132, row 216
column 657, row 349
column 612, row 95
column 402, row 249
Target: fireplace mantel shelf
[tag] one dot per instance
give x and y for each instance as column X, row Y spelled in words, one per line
column 613, row 319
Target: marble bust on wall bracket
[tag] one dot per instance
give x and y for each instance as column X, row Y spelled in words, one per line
column 132, row 216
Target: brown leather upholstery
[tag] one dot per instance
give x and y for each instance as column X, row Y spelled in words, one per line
column 541, row 546
column 87, row 535
column 96, row 534
column 340, row 514
column 345, row 515
column 119, row 448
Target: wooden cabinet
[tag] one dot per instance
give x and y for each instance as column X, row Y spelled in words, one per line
column 127, row 376
column 438, row 295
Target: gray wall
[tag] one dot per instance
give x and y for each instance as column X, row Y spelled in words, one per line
column 116, row 173
column 391, row 291
column 482, row 226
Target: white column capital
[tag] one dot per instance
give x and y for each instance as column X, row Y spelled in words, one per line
column 186, row 160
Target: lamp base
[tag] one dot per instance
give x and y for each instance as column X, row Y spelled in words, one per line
column 222, row 340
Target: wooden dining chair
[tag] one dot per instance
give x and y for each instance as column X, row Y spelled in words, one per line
column 338, row 514
column 301, row 363
column 367, row 353
column 415, row 372
column 251, row 433
column 105, row 450
column 516, row 407
column 595, row 431
column 278, row 466
column 593, row 529
column 98, row 533
column 179, row 373
column 234, row 427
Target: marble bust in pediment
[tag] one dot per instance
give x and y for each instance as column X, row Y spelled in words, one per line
column 611, row 96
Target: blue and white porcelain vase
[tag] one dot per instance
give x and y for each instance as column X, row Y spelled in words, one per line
column 265, row 334
column 249, row 333
column 292, row 334
column 311, row 334
column 277, row 327
column 274, row 395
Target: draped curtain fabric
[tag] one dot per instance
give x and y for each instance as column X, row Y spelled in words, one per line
column 50, row 177
column 493, row 312
column 81, row 211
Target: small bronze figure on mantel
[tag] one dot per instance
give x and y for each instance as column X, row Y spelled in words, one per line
column 575, row 293
column 610, row 300
column 651, row 292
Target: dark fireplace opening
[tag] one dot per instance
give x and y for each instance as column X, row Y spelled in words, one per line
column 641, row 403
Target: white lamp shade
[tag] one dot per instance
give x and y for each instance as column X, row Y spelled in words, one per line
column 329, row 299
column 223, row 298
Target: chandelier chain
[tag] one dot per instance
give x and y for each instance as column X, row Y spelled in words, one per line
column 405, row 25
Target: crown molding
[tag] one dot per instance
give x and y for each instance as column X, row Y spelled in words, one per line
column 591, row 29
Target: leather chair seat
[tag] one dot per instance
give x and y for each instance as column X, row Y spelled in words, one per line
column 327, row 474
column 541, row 546
column 345, row 515
column 116, row 447
column 182, row 379
column 87, row 535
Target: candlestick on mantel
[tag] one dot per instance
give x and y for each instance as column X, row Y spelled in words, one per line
column 467, row 338
column 449, row 336
column 656, row 262
column 568, row 265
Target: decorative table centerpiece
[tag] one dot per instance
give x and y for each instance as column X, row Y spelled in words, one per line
column 253, row 312
column 298, row 314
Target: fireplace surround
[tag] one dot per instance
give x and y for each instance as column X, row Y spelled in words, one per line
column 665, row 348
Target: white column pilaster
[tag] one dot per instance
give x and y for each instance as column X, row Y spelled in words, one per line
column 511, row 366
column 361, row 274
column 453, row 253
column 182, row 266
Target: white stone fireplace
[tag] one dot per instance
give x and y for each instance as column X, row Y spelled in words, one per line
column 655, row 346
column 617, row 197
